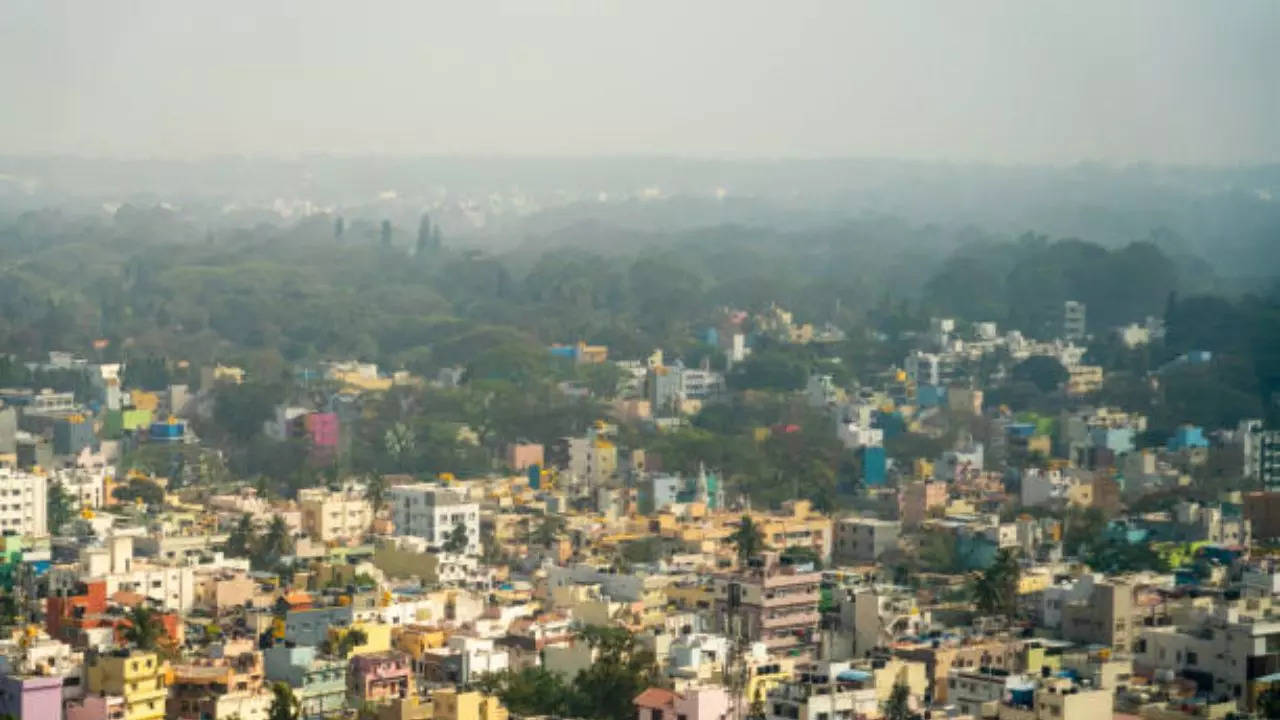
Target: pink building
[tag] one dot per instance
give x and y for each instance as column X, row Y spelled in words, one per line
column 708, row 703
column 96, row 707
column 322, row 429
column 917, row 499
column 521, row 455
column 379, row 677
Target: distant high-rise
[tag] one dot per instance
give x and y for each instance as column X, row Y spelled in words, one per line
column 1073, row 320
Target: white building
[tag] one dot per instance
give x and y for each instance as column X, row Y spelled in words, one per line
column 1073, row 320
column 86, row 486
column 23, row 498
column 432, row 512
column 172, row 587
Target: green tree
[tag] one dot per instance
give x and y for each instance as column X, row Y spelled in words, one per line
column 456, row 541
column 240, row 410
column 351, row 639
column 748, row 539
column 995, row 591
column 937, row 552
column 530, row 691
column 240, row 539
column 549, row 528
column 1043, row 371
column 143, row 628
column 284, row 705
column 400, row 442
column 770, row 369
column 1269, row 704
column 60, row 506
column 140, row 489
column 375, row 490
column 276, row 543
column 800, row 555
column 622, row 670
column 898, row 706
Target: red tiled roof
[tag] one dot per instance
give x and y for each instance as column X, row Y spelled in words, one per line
column 655, row 697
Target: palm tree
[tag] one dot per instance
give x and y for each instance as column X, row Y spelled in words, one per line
column 995, row 591
column 748, row 539
column 284, row 706
column 143, row 628
column 241, row 537
column 275, row 544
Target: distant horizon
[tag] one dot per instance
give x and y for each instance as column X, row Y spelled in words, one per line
column 622, row 156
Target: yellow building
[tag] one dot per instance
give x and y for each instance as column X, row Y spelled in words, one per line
column 141, row 678
column 1084, row 379
column 334, row 517
column 914, row 675
column 415, row 640
column 797, row 526
column 449, row 704
column 377, row 637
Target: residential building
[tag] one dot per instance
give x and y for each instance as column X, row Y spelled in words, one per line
column 31, row 697
column 23, row 502
column 226, row 686
column 520, row 456
column 137, row 676
column 769, row 602
column 1074, row 326
column 1057, row 699
column 1084, row 379
column 96, row 707
column 432, row 512
column 335, row 517
column 319, row 684
column 864, row 540
column 379, row 677
column 699, row 703
column 452, row 704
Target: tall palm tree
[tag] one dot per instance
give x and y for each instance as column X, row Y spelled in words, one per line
column 241, row 537
column 748, row 539
column 995, row 591
column 143, row 629
column 276, row 543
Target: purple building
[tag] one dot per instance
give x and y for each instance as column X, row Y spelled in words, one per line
column 31, row 696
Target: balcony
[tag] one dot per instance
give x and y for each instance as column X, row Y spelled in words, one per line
column 796, row 598
column 795, row 619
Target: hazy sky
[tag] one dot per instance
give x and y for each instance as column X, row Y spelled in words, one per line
column 1010, row 81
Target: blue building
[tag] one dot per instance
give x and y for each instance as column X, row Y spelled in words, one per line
column 72, row 434
column 873, row 466
column 1186, row 437
column 930, row 395
column 1117, row 440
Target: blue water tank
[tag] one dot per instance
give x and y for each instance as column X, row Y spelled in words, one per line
column 167, row 431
